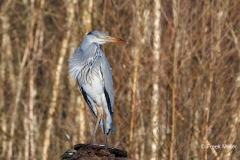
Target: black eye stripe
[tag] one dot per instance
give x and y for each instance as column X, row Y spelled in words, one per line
column 90, row 33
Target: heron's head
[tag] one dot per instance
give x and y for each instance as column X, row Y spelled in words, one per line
column 101, row 38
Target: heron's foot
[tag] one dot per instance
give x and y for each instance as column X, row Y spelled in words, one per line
column 106, row 142
column 90, row 143
column 106, row 146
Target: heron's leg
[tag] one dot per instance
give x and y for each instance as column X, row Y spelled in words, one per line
column 99, row 115
column 105, row 122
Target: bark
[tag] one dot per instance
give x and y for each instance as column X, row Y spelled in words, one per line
column 175, row 68
column 27, row 109
column 144, row 42
column 37, row 50
column 6, row 43
column 3, row 139
column 6, row 56
column 135, row 52
column 205, row 21
column 155, row 93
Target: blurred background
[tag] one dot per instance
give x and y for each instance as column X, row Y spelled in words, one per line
column 177, row 84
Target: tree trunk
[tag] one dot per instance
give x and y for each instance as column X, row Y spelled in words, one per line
column 175, row 9
column 157, row 33
column 135, row 53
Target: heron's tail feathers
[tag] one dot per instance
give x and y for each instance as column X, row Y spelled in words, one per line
column 109, row 129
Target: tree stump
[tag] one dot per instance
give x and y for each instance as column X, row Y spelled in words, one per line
column 94, row 152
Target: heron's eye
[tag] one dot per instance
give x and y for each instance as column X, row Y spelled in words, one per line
column 99, row 36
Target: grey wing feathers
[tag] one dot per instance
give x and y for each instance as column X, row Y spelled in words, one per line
column 86, row 99
column 108, row 83
column 74, row 64
column 80, row 60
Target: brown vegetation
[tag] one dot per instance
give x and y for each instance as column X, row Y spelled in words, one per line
column 177, row 84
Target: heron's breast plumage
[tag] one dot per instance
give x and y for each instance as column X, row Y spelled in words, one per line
column 85, row 66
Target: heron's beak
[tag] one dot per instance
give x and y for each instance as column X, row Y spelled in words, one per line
column 112, row 39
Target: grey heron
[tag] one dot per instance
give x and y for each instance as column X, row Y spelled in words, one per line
column 92, row 71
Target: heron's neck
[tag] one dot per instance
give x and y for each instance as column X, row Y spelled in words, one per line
column 98, row 46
